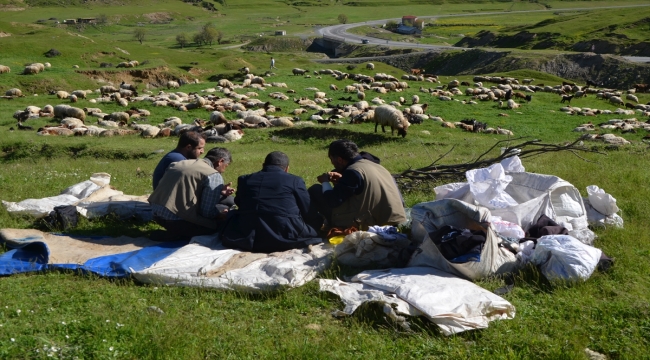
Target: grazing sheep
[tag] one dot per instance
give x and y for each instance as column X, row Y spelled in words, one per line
column 298, row 71
column 225, row 83
column 4, row 69
column 386, row 115
column 62, row 94
column 632, row 97
column 151, row 132
column 370, row 66
column 319, row 95
column 173, row 84
column 512, row 104
column 33, row 69
column 415, row 99
column 123, row 102
column 281, row 122
column 567, row 99
column 117, row 116
column 217, row 118
column 14, row 92
column 333, row 87
column 361, row 95
column 73, row 98
column 107, row 89
column 616, row 100
column 80, row 94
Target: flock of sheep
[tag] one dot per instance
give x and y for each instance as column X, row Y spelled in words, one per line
column 251, row 112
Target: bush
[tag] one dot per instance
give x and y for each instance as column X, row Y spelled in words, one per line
column 52, row 53
column 351, row 67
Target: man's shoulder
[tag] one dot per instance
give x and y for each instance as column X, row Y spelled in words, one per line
column 175, row 156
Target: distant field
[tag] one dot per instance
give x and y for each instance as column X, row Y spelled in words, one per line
column 77, row 314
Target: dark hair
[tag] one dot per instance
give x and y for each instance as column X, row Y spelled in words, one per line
column 218, row 153
column 345, row 149
column 189, row 138
column 277, row 158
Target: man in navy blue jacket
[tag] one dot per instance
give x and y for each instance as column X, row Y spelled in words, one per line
column 190, row 146
column 272, row 205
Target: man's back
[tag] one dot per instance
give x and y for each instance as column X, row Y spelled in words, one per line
column 272, row 204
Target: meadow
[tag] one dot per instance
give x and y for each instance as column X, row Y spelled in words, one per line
column 69, row 315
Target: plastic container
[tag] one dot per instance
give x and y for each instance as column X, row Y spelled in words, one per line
column 335, row 240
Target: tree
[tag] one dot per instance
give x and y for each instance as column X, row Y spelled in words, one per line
column 182, row 40
column 209, row 34
column 102, row 19
column 219, row 36
column 139, row 34
column 343, row 19
column 198, row 38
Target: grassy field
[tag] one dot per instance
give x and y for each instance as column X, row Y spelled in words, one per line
column 68, row 315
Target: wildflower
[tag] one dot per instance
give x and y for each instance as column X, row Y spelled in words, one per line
column 110, row 348
column 67, row 337
column 108, row 321
column 18, row 311
column 13, row 340
column 62, row 322
column 104, row 340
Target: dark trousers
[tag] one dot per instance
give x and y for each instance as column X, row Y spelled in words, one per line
column 318, row 208
column 181, row 229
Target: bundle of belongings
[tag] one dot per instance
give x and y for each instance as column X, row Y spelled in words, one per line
column 498, row 221
column 91, row 198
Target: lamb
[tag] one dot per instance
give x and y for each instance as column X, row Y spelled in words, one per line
column 298, row 71
column 417, row 109
column 415, row 99
column 14, row 92
column 4, row 69
column 386, row 115
column 567, row 99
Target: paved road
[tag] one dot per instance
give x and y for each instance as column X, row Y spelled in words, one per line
column 339, row 32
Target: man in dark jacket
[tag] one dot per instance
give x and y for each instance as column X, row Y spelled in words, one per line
column 271, row 208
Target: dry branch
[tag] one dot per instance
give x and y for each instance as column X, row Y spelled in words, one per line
column 440, row 172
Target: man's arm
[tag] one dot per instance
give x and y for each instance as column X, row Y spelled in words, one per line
column 301, row 195
column 212, row 186
column 349, row 184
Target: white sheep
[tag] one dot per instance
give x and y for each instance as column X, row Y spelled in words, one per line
column 171, row 122
column 72, row 123
column 370, row 66
column 173, row 84
column 4, row 69
column 632, row 97
column 281, row 122
column 14, row 92
column 512, row 104
column 118, row 116
column 386, row 115
column 62, row 94
column 415, row 99
column 233, row 135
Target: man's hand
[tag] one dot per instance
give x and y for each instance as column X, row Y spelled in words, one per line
column 334, row 177
column 227, row 190
column 325, row 177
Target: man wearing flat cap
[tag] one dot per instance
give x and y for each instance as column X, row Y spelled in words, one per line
column 272, row 205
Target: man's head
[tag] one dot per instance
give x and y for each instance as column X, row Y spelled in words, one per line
column 191, row 144
column 220, row 158
column 277, row 158
column 341, row 152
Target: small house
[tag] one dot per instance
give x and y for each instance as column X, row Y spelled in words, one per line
column 280, row 32
column 409, row 20
column 70, row 21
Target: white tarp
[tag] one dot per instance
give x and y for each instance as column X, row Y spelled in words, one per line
column 564, row 258
column 534, row 195
column 207, row 263
column 454, row 304
column 431, row 216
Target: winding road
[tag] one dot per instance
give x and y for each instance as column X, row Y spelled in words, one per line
column 339, row 32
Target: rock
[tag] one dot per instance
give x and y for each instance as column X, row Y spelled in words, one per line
column 155, row 310
column 592, row 355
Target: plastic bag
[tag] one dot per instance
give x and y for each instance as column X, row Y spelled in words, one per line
column 488, row 187
column 565, row 258
column 507, row 228
column 512, row 164
column 603, row 202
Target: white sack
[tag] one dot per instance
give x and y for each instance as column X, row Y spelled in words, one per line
column 564, row 258
column 595, row 218
column 506, row 228
column 81, row 190
column 512, row 164
column 488, row 185
column 39, row 208
column 603, row 202
column 433, row 215
column 455, row 305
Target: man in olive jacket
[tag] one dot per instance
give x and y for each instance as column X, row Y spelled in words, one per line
column 272, row 205
column 190, row 196
column 364, row 193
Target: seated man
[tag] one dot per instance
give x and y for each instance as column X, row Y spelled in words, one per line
column 364, row 192
column 191, row 196
column 272, row 206
column 190, row 146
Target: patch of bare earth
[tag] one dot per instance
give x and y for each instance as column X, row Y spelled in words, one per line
column 158, row 17
column 4, row 34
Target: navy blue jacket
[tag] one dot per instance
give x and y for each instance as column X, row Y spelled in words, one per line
column 272, row 205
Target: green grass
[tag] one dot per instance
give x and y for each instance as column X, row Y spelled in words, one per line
column 609, row 313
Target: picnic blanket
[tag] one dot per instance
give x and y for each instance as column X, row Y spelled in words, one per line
column 204, row 262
